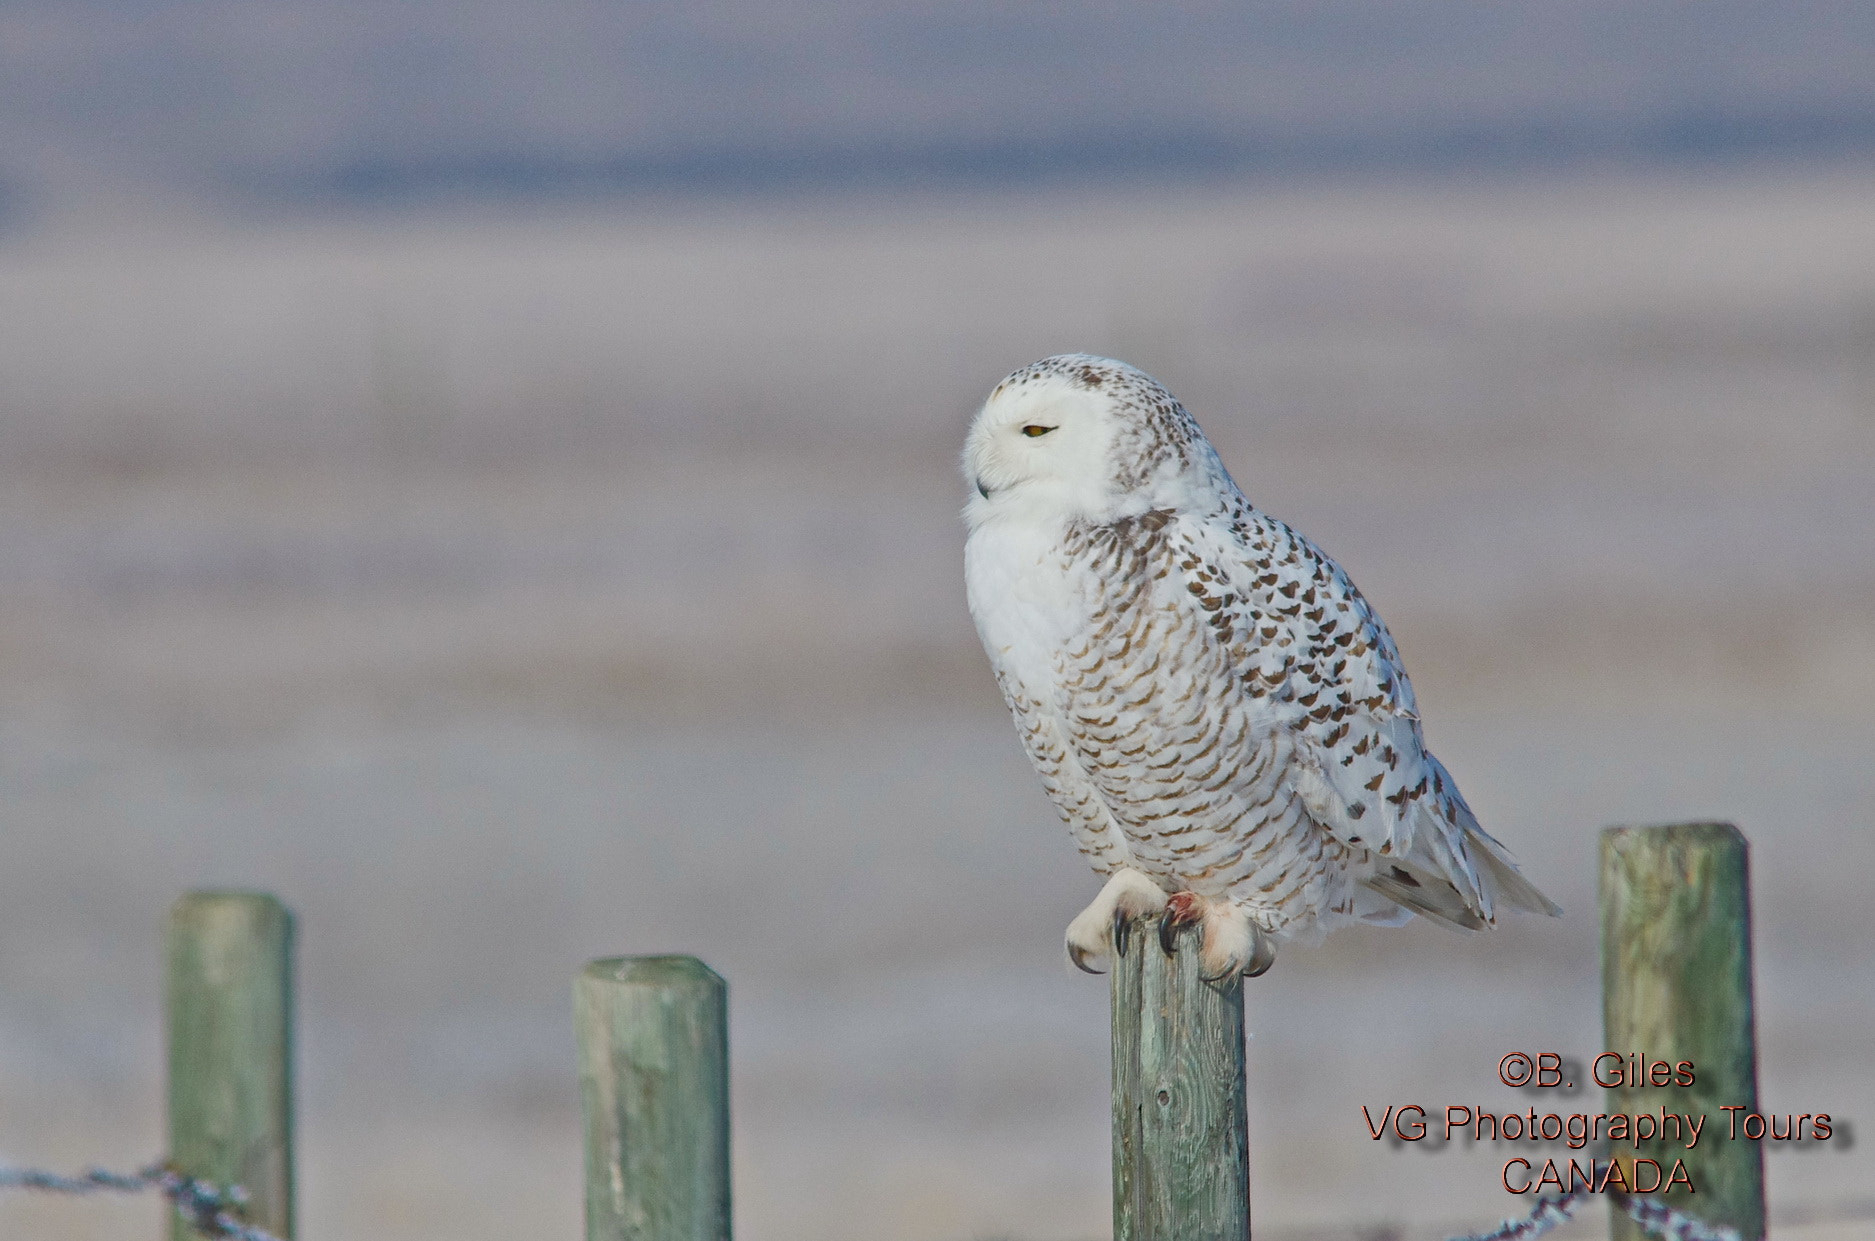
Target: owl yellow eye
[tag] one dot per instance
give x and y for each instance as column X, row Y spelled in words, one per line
column 1032, row 430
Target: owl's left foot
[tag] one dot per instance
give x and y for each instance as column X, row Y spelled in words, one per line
column 1229, row 944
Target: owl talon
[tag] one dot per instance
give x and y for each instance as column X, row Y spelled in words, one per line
column 1168, row 932
column 1181, row 909
column 1261, row 957
column 1104, row 929
column 1234, row 945
column 1229, row 943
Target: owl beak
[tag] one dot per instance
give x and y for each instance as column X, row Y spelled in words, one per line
column 982, row 490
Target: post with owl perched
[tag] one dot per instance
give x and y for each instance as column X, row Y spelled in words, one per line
column 1221, row 719
column 1181, row 1158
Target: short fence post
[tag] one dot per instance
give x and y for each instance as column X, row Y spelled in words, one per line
column 654, row 1087
column 229, row 998
column 1181, row 1159
column 1676, row 986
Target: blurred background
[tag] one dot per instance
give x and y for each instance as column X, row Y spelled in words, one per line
column 485, row 472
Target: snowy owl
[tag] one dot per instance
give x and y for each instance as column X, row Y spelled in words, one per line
column 1216, row 712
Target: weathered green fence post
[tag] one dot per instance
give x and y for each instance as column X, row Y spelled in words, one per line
column 1676, row 986
column 229, row 997
column 654, row 1087
column 1181, row 1157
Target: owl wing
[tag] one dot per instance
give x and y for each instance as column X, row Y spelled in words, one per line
column 1302, row 637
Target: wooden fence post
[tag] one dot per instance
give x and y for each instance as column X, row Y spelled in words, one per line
column 229, row 997
column 1676, row 986
column 654, row 1087
column 1181, row 1159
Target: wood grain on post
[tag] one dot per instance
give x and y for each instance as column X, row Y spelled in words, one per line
column 1676, row 986
column 229, row 997
column 1181, row 1162
column 654, row 1085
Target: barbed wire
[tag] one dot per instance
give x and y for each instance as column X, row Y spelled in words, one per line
column 211, row 1210
column 1547, row 1214
column 1664, row 1221
column 215, row 1212
column 1650, row 1213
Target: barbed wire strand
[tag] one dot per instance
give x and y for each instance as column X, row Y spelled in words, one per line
column 1547, row 1213
column 215, row 1212
column 1665, row 1221
column 210, row 1209
column 1650, row 1213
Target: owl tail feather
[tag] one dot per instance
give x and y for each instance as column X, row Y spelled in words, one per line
column 1512, row 888
column 1419, row 889
column 1425, row 894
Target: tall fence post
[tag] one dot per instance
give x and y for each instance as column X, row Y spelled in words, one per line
column 1181, row 1158
column 654, row 1088
column 1676, row 987
column 229, row 996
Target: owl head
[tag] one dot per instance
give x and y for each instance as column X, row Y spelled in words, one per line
column 1085, row 438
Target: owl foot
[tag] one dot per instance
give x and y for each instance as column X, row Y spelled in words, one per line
column 1229, row 944
column 1100, row 930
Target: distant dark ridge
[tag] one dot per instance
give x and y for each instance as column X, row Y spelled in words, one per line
column 1693, row 137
